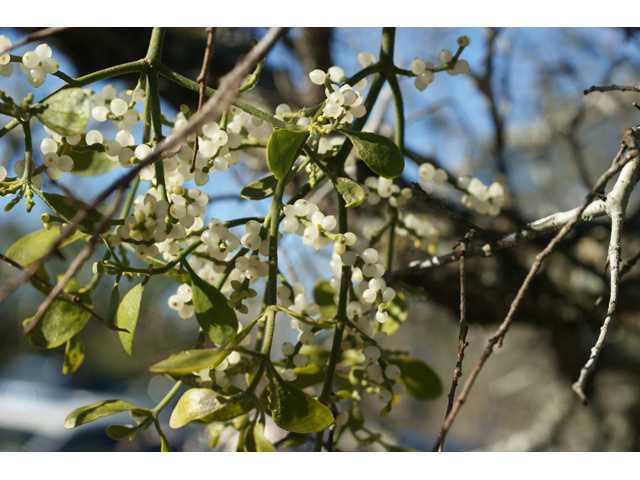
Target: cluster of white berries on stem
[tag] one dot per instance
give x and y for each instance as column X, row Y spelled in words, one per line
column 424, row 71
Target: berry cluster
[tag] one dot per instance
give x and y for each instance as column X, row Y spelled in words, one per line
column 424, row 71
column 35, row 63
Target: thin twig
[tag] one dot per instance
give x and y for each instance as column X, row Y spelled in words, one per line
column 451, row 213
column 462, row 336
column 611, row 88
column 202, row 80
column 45, row 32
column 504, row 327
column 74, row 298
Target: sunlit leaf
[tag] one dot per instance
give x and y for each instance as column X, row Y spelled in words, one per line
column 208, row 406
column 36, row 245
column 87, row 414
column 191, row 361
column 62, row 320
column 128, row 313
column 261, row 442
column 421, row 381
column 66, row 112
column 260, row 189
column 380, row 154
column 292, row 410
column 217, row 319
column 73, row 355
column 352, row 193
column 323, row 295
column 283, row 149
column 398, row 311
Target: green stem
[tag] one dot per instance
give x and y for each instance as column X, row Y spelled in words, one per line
column 387, row 44
column 28, row 153
column 341, row 318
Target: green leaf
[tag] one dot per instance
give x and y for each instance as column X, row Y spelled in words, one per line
column 190, row 361
column 380, row 154
column 422, row 382
column 66, row 112
column 215, row 429
column 307, row 376
column 114, row 301
column 261, row 442
column 283, row 148
column 206, row 405
column 323, row 295
column 215, row 316
column 73, row 355
column 36, row 245
column 128, row 313
column 89, row 162
column 87, row 414
column 398, row 312
column 260, row 189
column 316, row 355
column 352, row 193
column 67, row 208
column 62, row 320
column 292, row 410
column 356, row 419
column 120, row 432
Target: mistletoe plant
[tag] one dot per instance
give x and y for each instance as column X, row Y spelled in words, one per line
column 234, row 376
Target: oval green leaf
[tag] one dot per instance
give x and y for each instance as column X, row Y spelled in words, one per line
column 283, row 149
column 351, row 191
column 422, row 382
column 380, row 154
column 190, row 361
column 398, row 312
column 66, row 112
column 36, row 245
column 73, row 355
column 128, row 313
column 292, row 410
column 217, row 319
column 356, row 419
column 261, row 442
column 323, row 295
column 89, row 162
column 207, row 406
column 87, row 414
column 260, row 189
column 120, row 432
column 62, row 320
column 307, row 376
column 67, row 208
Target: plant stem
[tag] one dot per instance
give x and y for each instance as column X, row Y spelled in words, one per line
column 167, row 398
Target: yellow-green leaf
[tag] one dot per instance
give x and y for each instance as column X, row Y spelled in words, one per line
column 261, row 442
column 398, row 312
column 307, row 376
column 120, row 432
column 190, row 361
column 87, row 414
column 128, row 313
column 422, row 382
column 352, row 193
column 292, row 410
column 73, row 355
column 66, row 112
column 36, row 245
column 323, row 295
column 62, row 320
column 283, row 148
column 206, row 405
column 380, row 154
